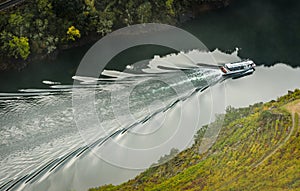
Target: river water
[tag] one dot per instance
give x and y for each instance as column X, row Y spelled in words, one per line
column 51, row 144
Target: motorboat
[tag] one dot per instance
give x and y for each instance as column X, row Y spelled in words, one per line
column 238, row 69
column 234, row 69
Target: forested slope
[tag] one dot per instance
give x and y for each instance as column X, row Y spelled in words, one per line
column 40, row 27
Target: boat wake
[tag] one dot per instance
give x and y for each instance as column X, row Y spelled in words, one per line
column 120, row 122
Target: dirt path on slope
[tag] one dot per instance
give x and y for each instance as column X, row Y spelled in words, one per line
column 293, row 107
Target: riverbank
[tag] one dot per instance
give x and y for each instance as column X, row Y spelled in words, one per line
column 41, row 30
column 254, row 146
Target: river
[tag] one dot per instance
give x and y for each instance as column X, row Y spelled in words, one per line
column 43, row 144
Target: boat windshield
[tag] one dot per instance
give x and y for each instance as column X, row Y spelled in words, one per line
column 234, row 67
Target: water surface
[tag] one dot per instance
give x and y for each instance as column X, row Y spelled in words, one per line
column 37, row 115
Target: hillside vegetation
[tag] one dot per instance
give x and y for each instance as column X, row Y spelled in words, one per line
column 39, row 27
column 257, row 149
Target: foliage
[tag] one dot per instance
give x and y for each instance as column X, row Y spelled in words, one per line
column 19, row 47
column 144, row 12
column 15, row 22
column 105, row 23
column 256, row 150
column 68, row 10
column 165, row 158
column 73, row 33
column 169, row 6
column 16, row 47
column 45, row 22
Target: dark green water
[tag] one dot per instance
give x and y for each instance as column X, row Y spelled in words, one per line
column 266, row 31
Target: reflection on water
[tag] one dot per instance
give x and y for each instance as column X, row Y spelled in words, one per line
column 266, row 84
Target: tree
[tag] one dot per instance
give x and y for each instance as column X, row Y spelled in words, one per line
column 68, row 9
column 15, row 22
column 169, row 5
column 144, row 12
column 129, row 12
column 14, row 46
column 73, row 33
column 90, row 5
column 50, row 43
column 44, row 8
column 17, row 47
column 105, row 23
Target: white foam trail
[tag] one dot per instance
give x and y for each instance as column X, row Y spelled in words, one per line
column 114, row 73
column 73, row 86
column 168, row 63
column 182, row 60
column 129, row 67
column 15, row 95
column 41, row 90
column 48, row 82
column 90, row 79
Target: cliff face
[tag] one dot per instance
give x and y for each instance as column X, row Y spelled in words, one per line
column 257, row 149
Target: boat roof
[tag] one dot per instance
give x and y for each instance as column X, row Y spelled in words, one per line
column 237, row 64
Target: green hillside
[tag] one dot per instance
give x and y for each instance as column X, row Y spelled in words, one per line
column 257, row 149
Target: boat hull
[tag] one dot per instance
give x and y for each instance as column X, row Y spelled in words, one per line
column 238, row 74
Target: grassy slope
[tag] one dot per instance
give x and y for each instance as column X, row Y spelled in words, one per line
column 257, row 149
